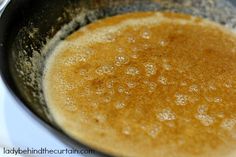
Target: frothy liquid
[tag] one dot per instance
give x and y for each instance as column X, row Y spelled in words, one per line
column 147, row 84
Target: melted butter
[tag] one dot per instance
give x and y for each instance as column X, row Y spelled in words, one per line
column 147, row 84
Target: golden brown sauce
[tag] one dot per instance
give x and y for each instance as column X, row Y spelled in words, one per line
column 147, row 84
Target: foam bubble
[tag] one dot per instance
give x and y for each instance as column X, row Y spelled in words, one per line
column 202, row 109
column 218, row 99
column 120, row 105
column 205, row 119
column 100, row 91
column 152, row 130
column 134, row 55
column 150, row 69
column 167, row 66
column 109, row 38
column 111, row 91
column 120, row 49
column 94, row 104
column 193, row 88
column 212, row 87
column 107, row 99
column 209, row 99
column 126, row 130
column 163, row 80
column 135, row 52
column 146, row 34
column 228, row 84
column 181, row 99
column 83, row 72
column 166, row 115
column 105, row 69
column 110, row 84
column 70, row 105
column 101, row 118
column 121, row 60
column 146, row 46
column 83, row 56
column 87, row 92
column 228, row 124
column 121, row 89
column 131, row 39
column 163, row 43
column 132, row 71
column 151, row 86
column 131, row 85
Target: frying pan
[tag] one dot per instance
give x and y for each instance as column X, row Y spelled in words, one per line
column 26, row 26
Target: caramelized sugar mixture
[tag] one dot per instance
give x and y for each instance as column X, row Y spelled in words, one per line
column 147, row 84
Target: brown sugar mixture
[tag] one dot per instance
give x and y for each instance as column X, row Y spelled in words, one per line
column 147, row 84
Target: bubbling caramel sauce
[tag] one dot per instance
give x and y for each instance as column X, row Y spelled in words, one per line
column 147, row 84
